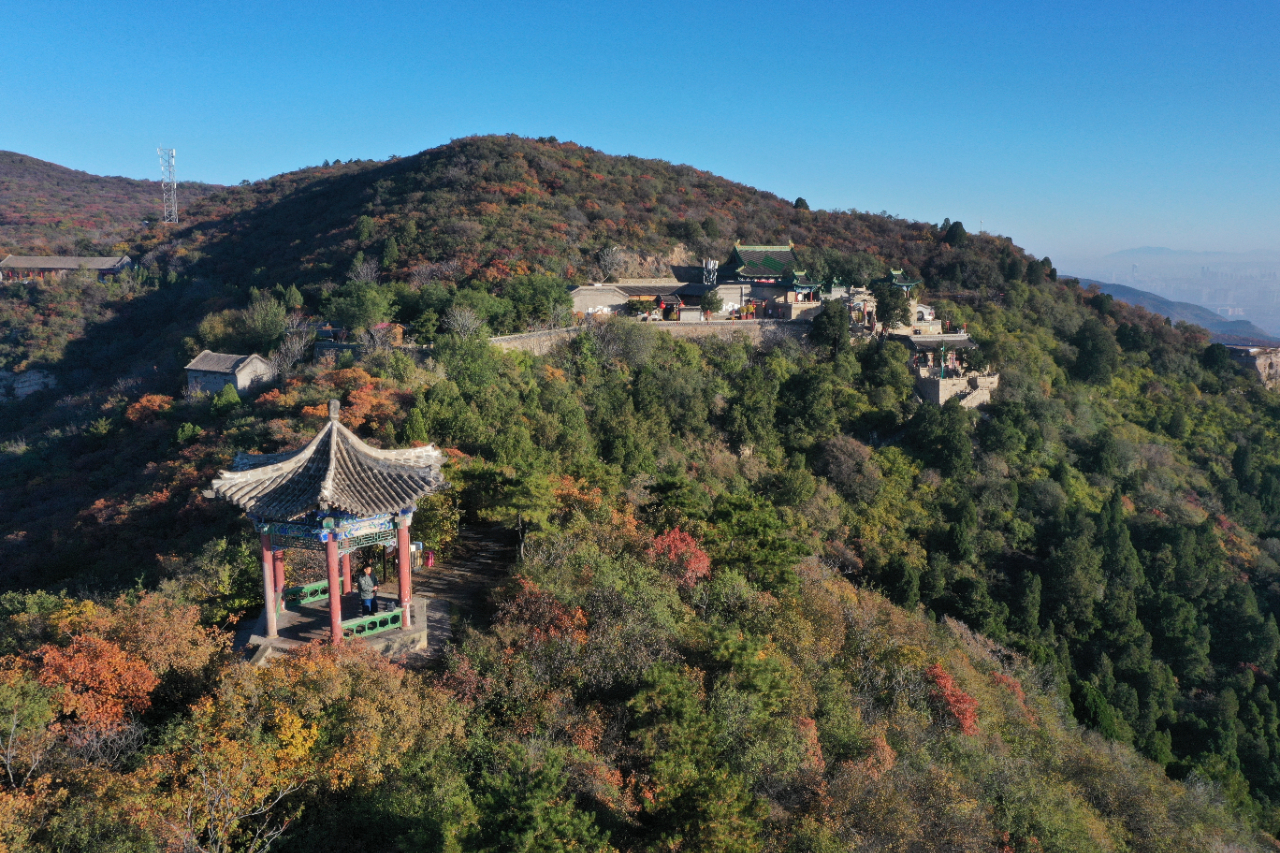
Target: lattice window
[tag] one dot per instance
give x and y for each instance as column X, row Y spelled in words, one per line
column 355, row 543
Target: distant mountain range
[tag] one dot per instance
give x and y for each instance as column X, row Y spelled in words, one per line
column 1161, row 253
column 1232, row 332
column 47, row 209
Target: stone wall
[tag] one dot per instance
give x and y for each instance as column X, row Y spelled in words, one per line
column 538, row 343
column 591, row 300
column 757, row 331
column 1265, row 360
column 973, row 390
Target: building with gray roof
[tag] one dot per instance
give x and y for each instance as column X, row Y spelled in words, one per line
column 210, row 372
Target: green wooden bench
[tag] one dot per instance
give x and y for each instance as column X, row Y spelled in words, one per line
column 296, row 596
column 366, row 626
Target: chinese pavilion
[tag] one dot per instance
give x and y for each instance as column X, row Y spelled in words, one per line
column 336, row 495
column 901, row 279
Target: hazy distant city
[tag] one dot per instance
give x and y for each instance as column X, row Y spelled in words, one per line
column 1237, row 286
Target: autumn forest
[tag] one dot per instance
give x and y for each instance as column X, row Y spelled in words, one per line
column 757, row 596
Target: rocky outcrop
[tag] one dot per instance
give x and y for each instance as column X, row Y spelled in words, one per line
column 25, row 384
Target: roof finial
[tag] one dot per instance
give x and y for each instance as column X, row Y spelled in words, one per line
column 333, row 410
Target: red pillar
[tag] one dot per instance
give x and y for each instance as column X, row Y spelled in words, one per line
column 278, row 560
column 268, row 585
column 346, row 574
column 335, row 598
column 402, row 559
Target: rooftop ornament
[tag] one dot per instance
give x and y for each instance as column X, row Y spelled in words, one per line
column 338, row 495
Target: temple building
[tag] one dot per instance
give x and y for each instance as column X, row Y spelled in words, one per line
column 922, row 320
column 900, row 278
column 337, row 495
column 756, row 282
column 776, row 281
column 941, row 367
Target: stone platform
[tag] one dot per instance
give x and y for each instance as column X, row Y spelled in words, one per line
column 310, row 622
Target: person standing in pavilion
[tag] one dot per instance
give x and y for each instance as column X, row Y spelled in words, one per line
column 367, row 584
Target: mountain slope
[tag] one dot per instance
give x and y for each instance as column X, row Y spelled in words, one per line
column 699, row 639
column 50, row 209
column 496, row 206
column 1239, row 332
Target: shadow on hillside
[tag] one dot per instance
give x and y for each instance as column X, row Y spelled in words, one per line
column 264, row 245
column 142, row 343
column 61, row 470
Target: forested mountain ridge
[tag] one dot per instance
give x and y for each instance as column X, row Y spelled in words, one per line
column 768, row 599
column 47, row 209
column 496, row 206
column 1229, row 332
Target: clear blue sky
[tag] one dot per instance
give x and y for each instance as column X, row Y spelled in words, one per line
column 1078, row 129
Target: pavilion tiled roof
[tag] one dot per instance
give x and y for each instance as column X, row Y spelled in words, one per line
column 335, row 471
column 900, row 278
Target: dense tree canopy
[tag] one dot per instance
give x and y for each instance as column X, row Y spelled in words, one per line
column 765, row 598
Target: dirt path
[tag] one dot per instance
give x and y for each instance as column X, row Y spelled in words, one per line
column 482, row 559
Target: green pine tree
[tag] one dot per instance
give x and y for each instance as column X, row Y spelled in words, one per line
column 293, row 297
column 225, row 400
column 831, row 327
column 415, row 428
column 391, row 253
column 524, row 808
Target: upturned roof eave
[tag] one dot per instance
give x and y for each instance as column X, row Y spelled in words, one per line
column 404, row 477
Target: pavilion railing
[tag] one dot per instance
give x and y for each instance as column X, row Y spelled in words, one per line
column 377, row 623
column 295, row 596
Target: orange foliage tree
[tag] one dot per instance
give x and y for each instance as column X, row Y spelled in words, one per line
column 365, row 399
column 545, row 616
column 325, row 719
column 168, row 637
column 680, row 556
column 148, row 408
column 96, row 683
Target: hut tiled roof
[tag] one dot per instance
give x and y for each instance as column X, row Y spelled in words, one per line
column 62, row 262
column 217, row 362
column 335, row 471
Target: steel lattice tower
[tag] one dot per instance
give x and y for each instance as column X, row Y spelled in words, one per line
column 169, row 181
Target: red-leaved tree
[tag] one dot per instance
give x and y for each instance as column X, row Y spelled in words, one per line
column 959, row 705
column 680, row 555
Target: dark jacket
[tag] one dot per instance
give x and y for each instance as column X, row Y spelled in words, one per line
column 366, row 584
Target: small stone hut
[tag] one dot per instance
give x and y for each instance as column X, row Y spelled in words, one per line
column 210, row 372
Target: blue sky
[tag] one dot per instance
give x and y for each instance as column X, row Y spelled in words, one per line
column 1076, row 128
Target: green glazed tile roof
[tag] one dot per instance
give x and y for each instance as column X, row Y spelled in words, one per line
column 763, row 262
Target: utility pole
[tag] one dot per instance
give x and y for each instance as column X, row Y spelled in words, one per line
column 169, row 182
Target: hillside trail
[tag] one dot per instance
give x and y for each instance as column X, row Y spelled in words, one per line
column 481, row 558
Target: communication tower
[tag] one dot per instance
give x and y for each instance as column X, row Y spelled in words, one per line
column 710, row 272
column 169, row 181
